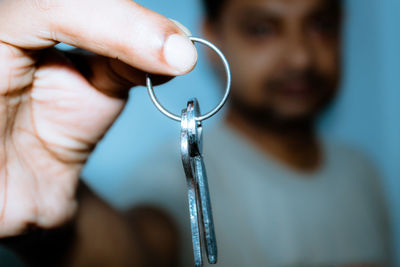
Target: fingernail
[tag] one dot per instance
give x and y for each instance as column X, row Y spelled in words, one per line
column 180, row 53
column 185, row 30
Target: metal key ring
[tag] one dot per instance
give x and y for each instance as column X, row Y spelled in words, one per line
column 171, row 115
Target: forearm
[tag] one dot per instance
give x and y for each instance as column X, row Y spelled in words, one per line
column 97, row 236
column 103, row 237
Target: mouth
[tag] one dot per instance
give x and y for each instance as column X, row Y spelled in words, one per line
column 299, row 88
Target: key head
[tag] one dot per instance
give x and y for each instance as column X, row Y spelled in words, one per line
column 195, row 129
column 185, row 154
column 191, row 136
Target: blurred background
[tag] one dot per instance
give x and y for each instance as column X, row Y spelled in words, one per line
column 366, row 113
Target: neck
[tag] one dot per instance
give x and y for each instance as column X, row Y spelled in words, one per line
column 293, row 144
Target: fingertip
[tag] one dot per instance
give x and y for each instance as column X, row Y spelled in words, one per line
column 180, row 53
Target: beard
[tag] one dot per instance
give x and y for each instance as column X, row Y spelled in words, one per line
column 310, row 90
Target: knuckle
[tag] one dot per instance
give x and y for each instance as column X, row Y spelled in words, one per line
column 44, row 5
column 56, row 210
column 18, row 220
column 17, row 69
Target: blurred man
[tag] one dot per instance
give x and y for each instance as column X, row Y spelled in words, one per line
column 281, row 195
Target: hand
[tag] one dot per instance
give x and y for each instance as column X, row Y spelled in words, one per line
column 55, row 107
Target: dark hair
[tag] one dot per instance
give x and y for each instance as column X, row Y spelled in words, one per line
column 213, row 8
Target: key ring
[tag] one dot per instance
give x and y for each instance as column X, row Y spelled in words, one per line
column 171, row 115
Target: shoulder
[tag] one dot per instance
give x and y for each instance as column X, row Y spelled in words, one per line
column 353, row 163
column 348, row 155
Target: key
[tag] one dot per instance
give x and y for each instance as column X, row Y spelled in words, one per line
column 192, row 194
column 201, row 219
column 192, row 159
column 196, row 149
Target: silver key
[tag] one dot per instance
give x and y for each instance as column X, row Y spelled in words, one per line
column 191, row 149
column 192, row 194
column 198, row 193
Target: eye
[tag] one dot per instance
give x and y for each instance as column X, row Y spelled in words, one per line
column 258, row 30
column 324, row 25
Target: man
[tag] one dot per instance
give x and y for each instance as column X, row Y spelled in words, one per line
column 281, row 195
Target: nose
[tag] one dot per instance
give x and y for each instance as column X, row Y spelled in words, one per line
column 298, row 52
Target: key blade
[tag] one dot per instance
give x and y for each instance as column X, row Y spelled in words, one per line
column 206, row 210
column 194, row 223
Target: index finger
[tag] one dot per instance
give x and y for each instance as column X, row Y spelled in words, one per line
column 120, row 29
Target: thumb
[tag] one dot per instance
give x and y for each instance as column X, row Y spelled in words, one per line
column 119, row 29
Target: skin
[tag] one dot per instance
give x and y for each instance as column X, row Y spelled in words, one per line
column 284, row 56
column 55, row 107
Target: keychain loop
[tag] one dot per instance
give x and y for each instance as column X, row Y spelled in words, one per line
column 171, row 115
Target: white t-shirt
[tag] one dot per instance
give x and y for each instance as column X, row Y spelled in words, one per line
column 267, row 214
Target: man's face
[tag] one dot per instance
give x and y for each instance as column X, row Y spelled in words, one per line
column 284, row 55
